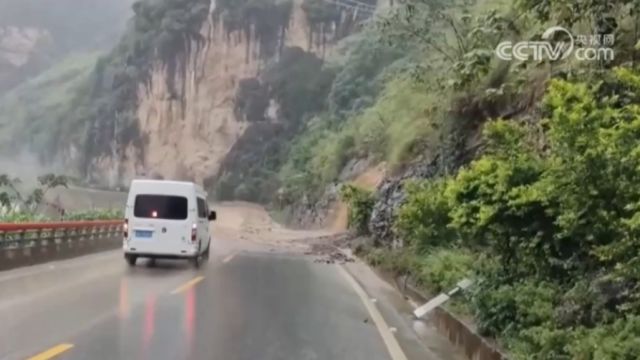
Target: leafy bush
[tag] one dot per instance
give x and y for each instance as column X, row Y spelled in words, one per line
column 554, row 220
column 440, row 269
column 20, row 217
column 15, row 202
column 399, row 120
column 330, row 157
column 496, row 203
column 504, row 308
column 618, row 341
column 423, row 220
column 360, row 206
column 94, row 214
column 397, row 262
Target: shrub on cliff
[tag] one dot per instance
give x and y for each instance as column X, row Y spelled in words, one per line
column 423, row 221
column 360, row 204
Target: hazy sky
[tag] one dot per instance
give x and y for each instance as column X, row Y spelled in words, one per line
column 74, row 24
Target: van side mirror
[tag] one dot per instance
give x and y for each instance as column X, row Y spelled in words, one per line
column 213, row 216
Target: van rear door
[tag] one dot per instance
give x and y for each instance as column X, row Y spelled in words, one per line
column 160, row 224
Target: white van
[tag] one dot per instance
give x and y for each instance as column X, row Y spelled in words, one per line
column 168, row 220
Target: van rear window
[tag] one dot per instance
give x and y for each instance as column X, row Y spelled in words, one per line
column 160, row 207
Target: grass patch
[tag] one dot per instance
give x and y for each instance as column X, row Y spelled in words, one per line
column 433, row 272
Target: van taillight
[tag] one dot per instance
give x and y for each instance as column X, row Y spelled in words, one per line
column 194, row 231
column 126, row 228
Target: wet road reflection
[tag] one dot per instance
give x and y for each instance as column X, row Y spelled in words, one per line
column 256, row 306
column 190, row 316
column 149, row 321
column 123, row 307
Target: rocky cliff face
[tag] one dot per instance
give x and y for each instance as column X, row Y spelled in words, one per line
column 186, row 118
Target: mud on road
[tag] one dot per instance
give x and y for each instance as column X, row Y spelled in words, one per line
column 246, row 226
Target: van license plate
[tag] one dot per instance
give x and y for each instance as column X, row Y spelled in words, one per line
column 144, row 234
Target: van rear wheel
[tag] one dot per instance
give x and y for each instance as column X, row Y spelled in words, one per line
column 196, row 261
column 131, row 259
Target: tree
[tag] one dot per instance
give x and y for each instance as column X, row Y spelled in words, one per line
column 451, row 37
column 13, row 199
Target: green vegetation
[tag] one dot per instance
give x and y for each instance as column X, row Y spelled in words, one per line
column 19, row 203
column 94, row 214
column 360, row 203
column 423, row 220
column 34, row 115
column 266, row 20
column 554, row 227
column 347, row 126
column 299, row 83
column 13, row 198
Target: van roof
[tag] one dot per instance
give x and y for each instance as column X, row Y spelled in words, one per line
column 162, row 185
column 164, row 182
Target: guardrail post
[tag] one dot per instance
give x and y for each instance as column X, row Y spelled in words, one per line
column 94, row 235
column 71, row 238
column 22, row 239
column 37, row 238
column 58, row 238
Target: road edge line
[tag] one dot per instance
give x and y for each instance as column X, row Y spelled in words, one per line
column 392, row 344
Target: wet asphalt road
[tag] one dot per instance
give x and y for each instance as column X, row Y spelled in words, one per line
column 238, row 306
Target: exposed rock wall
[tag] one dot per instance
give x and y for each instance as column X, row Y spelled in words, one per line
column 187, row 131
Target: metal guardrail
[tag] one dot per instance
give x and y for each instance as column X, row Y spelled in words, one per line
column 33, row 235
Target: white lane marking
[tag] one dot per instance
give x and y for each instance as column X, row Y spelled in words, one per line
column 383, row 328
column 228, row 258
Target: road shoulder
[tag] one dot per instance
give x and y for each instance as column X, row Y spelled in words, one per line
column 418, row 339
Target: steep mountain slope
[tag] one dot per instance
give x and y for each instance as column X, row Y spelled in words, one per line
column 33, row 113
column 170, row 107
column 34, row 35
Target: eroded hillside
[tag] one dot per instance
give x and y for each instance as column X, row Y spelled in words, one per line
column 187, row 100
